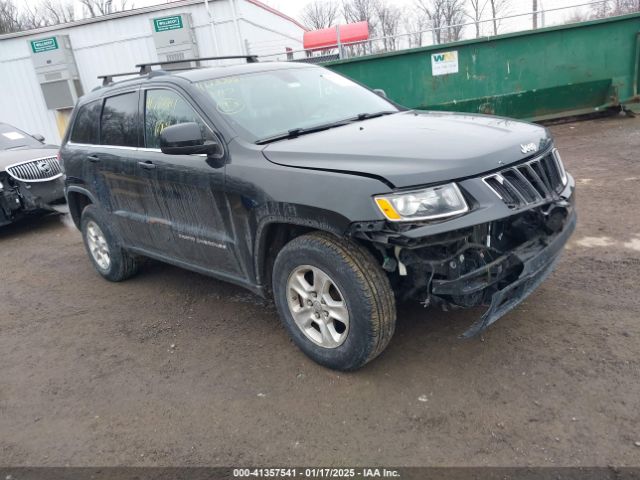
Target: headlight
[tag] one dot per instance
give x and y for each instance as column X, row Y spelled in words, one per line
column 560, row 165
column 427, row 204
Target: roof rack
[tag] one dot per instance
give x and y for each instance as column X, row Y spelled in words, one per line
column 107, row 79
column 146, row 67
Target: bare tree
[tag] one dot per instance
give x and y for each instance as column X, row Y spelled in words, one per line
column 320, row 14
column 9, row 17
column 499, row 8
column 389, row 21
column 58, row 11
column 415, row 24
column 476, row 12
column 628, row 6
column 47, row 12
column 444, row 17
column 615, row 7
column 361, row 11
column 95, row 8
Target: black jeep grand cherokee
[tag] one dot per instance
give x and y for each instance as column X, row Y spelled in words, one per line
column 292, row 180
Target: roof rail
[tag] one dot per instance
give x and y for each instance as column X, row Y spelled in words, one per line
column 107, row 79
column 146, row 67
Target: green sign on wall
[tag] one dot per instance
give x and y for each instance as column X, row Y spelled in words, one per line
column 167, row 23
column 44, row 44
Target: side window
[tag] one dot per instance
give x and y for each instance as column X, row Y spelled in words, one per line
column 163, row 108
column 87, row 124
column 119, row 122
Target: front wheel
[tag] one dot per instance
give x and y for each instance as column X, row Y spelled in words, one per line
column 334, row 300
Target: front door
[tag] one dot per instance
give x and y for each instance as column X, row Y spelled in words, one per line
column 188, row 198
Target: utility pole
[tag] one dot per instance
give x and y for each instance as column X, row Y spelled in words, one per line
column 535, row 14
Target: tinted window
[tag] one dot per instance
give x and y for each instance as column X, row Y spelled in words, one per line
column 119, row 124
column 86, row 126
column 164, row 108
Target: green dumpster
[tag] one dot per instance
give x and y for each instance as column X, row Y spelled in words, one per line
column 536, row 75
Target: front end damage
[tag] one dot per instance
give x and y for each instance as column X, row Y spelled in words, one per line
column 495, row 263
column 24, row 191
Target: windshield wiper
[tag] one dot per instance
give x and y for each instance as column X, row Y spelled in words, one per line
column 296, row 132
column 367, row 116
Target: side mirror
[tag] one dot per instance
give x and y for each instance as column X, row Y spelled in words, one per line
column 38, row 137
column 186, row 139
column 380, row 92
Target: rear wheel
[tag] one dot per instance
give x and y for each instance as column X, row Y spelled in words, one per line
column 104, row 247
column 334, row 300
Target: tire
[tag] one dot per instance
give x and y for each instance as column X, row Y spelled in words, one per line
column 121, row 264
column 356, row 278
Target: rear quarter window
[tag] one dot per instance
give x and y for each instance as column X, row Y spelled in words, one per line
column 119, row 123
column 87, row 124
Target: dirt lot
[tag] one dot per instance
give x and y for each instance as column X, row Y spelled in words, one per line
column 89, row 377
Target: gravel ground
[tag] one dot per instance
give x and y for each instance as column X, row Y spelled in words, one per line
column 173, row 368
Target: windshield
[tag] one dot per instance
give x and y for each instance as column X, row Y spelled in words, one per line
column 11, row 137
column 266, row 104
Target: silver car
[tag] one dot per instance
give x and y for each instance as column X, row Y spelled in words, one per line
column 30, row 175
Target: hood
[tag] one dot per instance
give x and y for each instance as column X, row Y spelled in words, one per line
column 413, row 148
column 9, row 157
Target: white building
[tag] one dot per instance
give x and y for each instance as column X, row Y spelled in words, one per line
column 43, row 71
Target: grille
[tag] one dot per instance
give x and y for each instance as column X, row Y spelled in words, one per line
column 535, row 181
column 38, row 170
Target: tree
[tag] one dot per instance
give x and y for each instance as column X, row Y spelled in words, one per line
column 389, row 21
column 47, row 12
column 9, row 17
column 499, row 8
column 477, row 8
column 58, row 11
column 361, row 11
column 444, row 17
column 414, row 24
column 615, row 7
column 52, row 12
column 320, row 14
column 95, row 8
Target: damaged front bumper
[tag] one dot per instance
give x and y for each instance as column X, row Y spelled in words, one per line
column 20, row 198
column 537, row 260
column 494, row 256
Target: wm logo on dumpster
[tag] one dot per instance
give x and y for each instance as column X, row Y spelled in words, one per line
column 444, row 63
column 445, row 57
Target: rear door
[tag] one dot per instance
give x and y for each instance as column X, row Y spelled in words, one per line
column 189, row 201
column 123, row 184
column 83, row 140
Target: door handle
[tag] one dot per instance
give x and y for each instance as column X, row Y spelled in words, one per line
column 93, row 158
column 147, row 165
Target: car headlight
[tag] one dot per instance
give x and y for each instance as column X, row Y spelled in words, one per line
column 560, row 165
column 426, row 204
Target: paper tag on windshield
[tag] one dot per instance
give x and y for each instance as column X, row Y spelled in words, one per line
column 13, row 135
